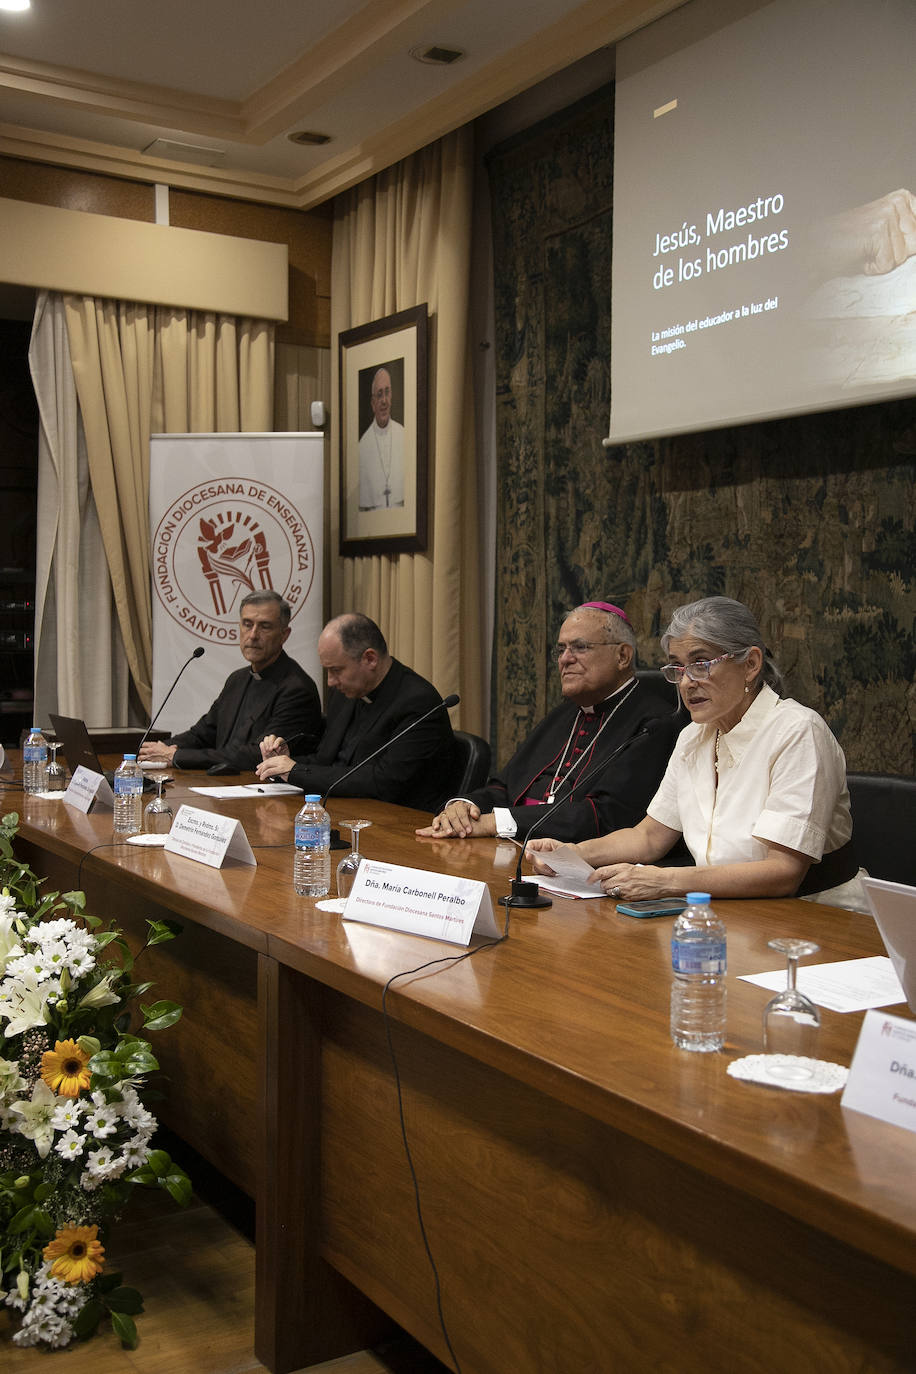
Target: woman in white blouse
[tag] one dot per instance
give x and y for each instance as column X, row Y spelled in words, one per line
column 756, row 784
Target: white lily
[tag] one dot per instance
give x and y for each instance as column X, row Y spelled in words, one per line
column 101, row 995
column 35, row 1117
column 11, row 1082
column 24, row 1002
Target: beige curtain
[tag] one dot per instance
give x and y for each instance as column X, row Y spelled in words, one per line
column 401, row 238
column 146, row 369
column 80, row 664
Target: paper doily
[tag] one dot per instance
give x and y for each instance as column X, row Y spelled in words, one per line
column 148, row 841
column 334, row 904
column 790, row 1071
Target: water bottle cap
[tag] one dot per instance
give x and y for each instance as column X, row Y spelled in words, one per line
column 313, row 796
column 36, row 729
column 698, row 899
column 129, row 756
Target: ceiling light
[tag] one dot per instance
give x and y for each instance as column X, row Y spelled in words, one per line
column 437, row 56
column 15, row 4
column 307, row 137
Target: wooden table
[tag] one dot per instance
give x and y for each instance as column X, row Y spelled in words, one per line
column 595, row 1200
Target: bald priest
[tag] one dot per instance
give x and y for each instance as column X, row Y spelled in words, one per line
column 593, row 763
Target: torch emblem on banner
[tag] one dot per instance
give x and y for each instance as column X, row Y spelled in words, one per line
column 233, row 554
column 222, row 539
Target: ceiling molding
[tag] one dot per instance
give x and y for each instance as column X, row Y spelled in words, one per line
column 332, row 66
column 124, row 99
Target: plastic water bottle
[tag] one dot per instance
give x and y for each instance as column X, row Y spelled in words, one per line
column 128, row 797
column 34, row 758
column 698, row 961
column 312, row 864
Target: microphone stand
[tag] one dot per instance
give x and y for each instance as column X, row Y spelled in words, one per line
column 524, row 893
column 198, row 653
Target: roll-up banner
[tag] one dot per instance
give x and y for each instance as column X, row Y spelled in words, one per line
column 230, row 514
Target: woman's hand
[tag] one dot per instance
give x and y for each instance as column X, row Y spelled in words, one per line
column 634, row 881
column 533, row 851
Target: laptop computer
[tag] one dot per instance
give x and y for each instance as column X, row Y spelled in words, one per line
column 893, row 906
column 79, row 749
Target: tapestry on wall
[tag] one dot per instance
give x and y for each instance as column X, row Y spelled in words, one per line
column 809, row 520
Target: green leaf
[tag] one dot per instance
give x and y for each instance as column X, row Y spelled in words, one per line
column 126, row 1328
column 87, row 1319
column 161, row 1015
column 178, row 1186
column 137, row 1064
column 108, row 1282
column 43, row 1191
column 135, row 990
column 161, row 931
column 106, row 1065
column 75, row 900
column 23, row 1220
column 160, row 1161
column 124, row 1300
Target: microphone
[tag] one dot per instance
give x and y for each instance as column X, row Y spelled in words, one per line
column 446, row 705
column 198, row 652
column 526, row 894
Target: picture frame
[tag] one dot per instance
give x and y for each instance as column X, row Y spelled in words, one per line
column 384, row 422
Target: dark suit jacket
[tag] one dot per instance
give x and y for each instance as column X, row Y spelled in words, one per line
column 283, row 701
column 612, row 797
column 416, row 771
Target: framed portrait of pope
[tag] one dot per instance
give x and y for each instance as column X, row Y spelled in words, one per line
column 383, row 434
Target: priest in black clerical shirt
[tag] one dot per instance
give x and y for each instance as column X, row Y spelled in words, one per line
column 372, row 697
column 603, row 706
column 272, row 694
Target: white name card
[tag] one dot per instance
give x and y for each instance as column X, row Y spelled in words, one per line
column 208, row 838
column 87, row 786
column 437, row 905
column 882, row 1076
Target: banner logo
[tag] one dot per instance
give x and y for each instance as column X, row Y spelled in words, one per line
column 221, row 540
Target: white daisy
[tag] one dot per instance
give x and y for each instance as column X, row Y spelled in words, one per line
column 70, row 1145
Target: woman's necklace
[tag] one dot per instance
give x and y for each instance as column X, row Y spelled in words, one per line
column 557, row 782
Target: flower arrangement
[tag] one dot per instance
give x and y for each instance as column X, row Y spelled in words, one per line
column 74, row 1132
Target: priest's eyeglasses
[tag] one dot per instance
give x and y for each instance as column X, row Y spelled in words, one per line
column 698, row 671
column 579, row 647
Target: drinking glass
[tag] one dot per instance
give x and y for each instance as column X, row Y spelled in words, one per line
column 157, row 818
column 55, row 773
column 347, row 868
column 791, row 1020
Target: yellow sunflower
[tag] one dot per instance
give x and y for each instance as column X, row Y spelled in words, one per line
column 64, row 1068
column 76, row 1253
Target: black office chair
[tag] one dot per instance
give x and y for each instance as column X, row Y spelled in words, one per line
column 884, row 825
column 472, row 766
column 661, row 687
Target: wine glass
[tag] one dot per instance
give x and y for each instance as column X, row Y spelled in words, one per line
column 347, row 868
column 55, row 773
column 791, row 1020
column 157, row 818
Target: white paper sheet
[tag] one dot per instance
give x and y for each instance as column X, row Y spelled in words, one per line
column 572, row 873
column 248, row 789
column 849, row 985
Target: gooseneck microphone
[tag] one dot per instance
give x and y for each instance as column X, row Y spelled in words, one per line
column 446, row 705
column 525, row 894
column 198, row 652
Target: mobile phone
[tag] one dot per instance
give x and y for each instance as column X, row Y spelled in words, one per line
column 653, row 906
